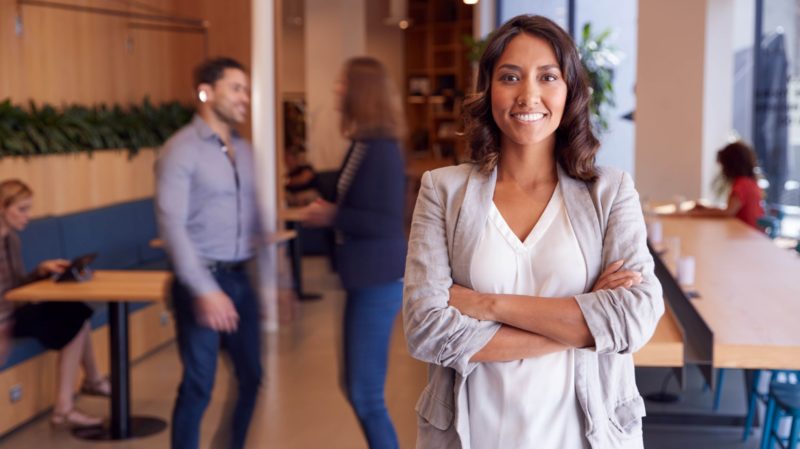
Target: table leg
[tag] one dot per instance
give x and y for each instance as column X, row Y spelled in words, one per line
column 121, row 426
column 120, row 386
column 296, row 255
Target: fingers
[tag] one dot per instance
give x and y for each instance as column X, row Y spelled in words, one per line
column 224, row 322
column 228, row 319
column 59, row 266
column 612, row 268
column 625, row 278
column 221, row 317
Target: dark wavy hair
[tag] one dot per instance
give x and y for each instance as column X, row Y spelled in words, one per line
column 576, row 144
column 737, row 159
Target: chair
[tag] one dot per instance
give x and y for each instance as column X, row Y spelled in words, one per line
column 770, row 225
column 783, row 402
column 754, row 395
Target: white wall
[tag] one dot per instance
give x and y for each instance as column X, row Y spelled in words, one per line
column 385, row 42
column 717, row 88
column 332, row 32
column 335, row 31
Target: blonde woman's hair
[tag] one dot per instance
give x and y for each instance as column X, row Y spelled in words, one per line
column 13, row 190
column 371, row 104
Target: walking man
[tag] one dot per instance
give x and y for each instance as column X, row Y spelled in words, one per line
column 208, row 219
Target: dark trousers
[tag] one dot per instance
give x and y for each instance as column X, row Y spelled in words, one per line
column 369, row 315
column 199, row 346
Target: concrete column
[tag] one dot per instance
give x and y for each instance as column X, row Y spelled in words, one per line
column 264, row 132
column 484, row 19
column 684, row 94
column 718, row 88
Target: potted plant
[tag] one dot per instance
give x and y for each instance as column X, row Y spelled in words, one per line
column 599, row 58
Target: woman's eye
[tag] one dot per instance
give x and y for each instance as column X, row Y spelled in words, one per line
column 509, row 77
column 549, row 77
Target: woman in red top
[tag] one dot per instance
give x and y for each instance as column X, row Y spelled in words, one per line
column 738, row 167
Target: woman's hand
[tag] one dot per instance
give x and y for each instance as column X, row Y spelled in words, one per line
column 613, row 278
column 471, row 303
column 319, row 214
column 54, row 266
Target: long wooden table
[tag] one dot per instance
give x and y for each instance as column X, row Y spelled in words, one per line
column 117, row 288
column 749, row 293
column 665, row 348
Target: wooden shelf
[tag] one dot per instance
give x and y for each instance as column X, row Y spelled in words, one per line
column 441, row 57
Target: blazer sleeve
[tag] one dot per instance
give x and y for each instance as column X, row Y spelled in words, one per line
column 623, row 320
column 435, row 332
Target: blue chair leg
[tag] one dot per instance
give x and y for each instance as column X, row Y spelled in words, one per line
column 792, row 443
column 751, row 405
column 766, row 430
column 718, row 389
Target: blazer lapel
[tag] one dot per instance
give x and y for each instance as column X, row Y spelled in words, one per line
column 469, row 225
column 583, row 215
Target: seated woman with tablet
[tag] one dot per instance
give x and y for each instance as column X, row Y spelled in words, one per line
column 61, row 326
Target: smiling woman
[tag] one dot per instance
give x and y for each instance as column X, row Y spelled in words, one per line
column 556, row 79
column 528, row 280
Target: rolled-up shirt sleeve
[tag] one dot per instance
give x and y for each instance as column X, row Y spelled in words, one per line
column 173, row 186
column 623, row 320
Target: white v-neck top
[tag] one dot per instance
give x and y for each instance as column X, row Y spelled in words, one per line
column 528, row 403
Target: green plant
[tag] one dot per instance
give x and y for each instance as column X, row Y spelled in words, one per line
column 475, row 47
column 46, row 130
column 599, row 58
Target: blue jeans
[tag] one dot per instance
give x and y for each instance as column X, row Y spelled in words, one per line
column 369, row 315
column 199, row 346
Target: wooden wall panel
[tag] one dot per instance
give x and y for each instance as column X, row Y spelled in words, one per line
column 78, row 57
column 37, row 376
column 65, row 183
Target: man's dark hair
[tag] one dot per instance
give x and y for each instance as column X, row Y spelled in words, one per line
column 211, row 70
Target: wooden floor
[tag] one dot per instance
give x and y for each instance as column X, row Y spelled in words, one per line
column 301, row 406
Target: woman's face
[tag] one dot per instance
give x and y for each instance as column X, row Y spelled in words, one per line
column 528, row 92
column 17, row 215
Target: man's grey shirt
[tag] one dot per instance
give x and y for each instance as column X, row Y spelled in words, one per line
column 205, row 204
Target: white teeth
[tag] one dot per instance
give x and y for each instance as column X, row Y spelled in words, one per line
column 529, row 117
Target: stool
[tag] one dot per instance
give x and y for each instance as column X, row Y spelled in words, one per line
column 770, row 225
column 754, row 395
column 784, row 401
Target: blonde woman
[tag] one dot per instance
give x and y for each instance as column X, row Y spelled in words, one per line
column 371, row 244
column 60, row 326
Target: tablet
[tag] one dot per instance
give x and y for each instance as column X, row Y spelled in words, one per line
column 78, row 269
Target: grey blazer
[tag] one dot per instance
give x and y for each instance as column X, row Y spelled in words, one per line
column 450, row 213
